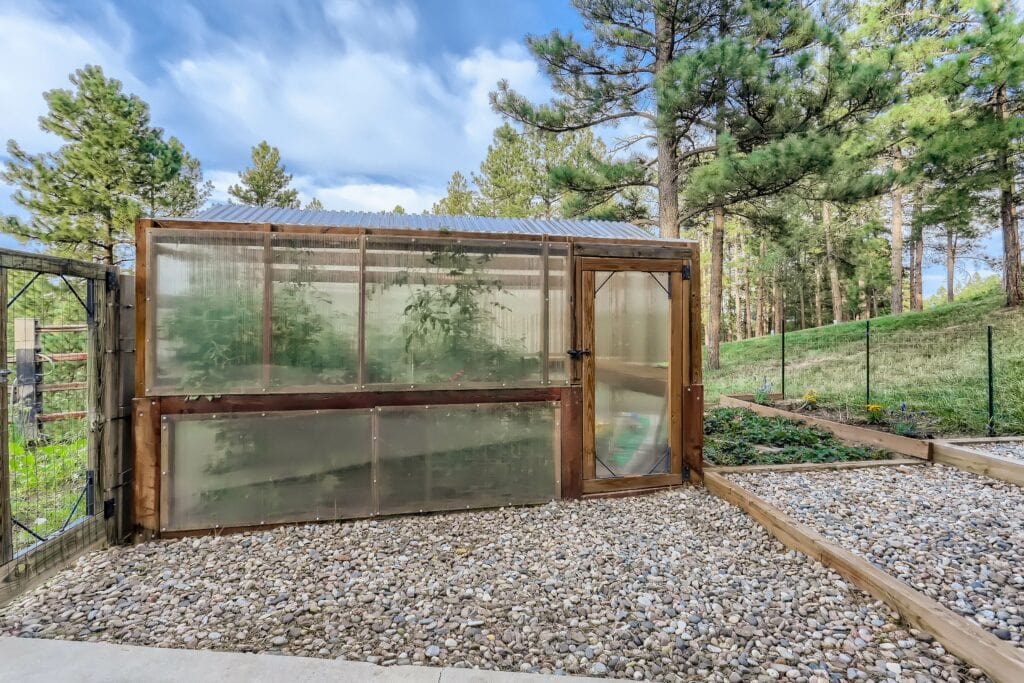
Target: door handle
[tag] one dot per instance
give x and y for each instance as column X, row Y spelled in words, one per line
column 577, row 354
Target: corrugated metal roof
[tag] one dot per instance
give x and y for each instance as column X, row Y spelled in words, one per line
column 236, row 213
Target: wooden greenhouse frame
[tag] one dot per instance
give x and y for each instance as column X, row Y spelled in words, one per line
column 676, row 261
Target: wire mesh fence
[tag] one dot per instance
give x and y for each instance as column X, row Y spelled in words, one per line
column 47, row 368
column 954, row 379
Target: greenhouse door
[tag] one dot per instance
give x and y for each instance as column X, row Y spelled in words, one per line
column 633, row 323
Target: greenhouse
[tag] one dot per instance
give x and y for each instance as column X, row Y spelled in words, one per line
column 297, row 366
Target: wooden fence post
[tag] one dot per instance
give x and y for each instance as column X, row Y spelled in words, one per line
column 28, row 399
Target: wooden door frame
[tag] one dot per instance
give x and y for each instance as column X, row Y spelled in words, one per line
column 679, row 356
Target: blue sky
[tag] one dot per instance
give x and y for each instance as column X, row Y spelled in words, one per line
column 372, row 102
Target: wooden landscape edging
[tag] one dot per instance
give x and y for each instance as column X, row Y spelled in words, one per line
column 916, row 448
column 813, row 466
column 1002, row 661
column 986, row 464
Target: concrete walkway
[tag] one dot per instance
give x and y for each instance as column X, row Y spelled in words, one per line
column 36, row 660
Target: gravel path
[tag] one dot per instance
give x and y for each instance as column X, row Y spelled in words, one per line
column 956, row 536
column 673, row 586
column 1007, row 449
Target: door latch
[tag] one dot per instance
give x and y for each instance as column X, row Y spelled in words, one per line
column 578, row 354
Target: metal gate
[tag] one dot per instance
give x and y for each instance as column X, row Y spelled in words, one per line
column 62, row 452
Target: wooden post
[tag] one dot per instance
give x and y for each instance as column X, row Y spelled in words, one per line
column 28, row 372
column 146, row 466
column 6, row 528
column 111, row 463
column 572, row 442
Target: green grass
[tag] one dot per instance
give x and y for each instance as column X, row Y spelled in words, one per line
column 46, row 481
column 732, row 437
column 932, row 361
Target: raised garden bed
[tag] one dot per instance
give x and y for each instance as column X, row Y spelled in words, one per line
column 741, row 437
column 952, row 535
column 857, row 434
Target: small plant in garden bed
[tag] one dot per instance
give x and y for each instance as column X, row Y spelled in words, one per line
column 736, row 436
column 763, row 393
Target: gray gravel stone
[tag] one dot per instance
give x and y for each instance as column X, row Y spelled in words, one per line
column 956, row 536
column 672, row 586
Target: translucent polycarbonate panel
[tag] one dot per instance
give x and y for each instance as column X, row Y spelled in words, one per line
column 632, row 321
column 456, row 457
column 559, row 314
column 251, row 468
column 205, row 311
column 314, row 311
column 451, row 312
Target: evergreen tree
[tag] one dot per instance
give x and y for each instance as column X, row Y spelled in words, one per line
column 265, row 183
column 112, row 167
column 974, row 148
column 399, row 209
column 613, row 76
column 314, row 204
column 459, row 199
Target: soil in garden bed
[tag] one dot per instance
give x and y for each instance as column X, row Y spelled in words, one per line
column 912, row 424
column 737, row 436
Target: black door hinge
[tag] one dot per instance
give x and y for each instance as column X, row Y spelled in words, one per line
column 108, row 508
column 686, row 272
column 577, row 354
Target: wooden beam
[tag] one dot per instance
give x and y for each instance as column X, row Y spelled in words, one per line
column 964, row 638
column 644, row 265
column 586, row 341
column 572, row 442
column 859, row 435
column 6, row 527
column 693, row 431
column 639, row 481
column 978, row 462
column 696, row 345
column 53, row 265
column 654, row 250
column 146, row 466
column 813, row 466
column 183, row 405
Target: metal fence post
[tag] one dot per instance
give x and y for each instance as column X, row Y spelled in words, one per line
column 783, row 360
column 867, row 362
column 991, row 387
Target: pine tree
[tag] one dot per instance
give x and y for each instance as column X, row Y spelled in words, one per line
column 612, row 77
column 265, row 183
column 399, row 209
column 112, row 167
column 459, row 199
column 314, row 204
column 975, row 148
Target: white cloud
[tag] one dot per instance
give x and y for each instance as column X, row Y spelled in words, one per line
column 358, row 112
column 369, row 23
column 364, row 121
column 38, row 54
column 347, row 195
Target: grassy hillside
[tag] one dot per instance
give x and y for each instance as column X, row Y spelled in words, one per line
column 933, row 361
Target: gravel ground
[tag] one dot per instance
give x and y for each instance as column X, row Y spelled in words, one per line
column 673, row 586
column 956, row 536
column 1007, row 449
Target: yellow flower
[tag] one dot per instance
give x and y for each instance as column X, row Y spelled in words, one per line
column 873, row 408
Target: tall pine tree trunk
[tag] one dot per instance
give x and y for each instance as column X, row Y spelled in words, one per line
column 715, row 287
column 833, row 264
column 762, row 323
column 919, row 277
column 863, row 312
column 803, row 302
column 817, row 295
column 780, row 304
column 749, row 298
column 896, row 265
column 737, row 304
column 950, row 265
column 667, row 139
column 1008, row 218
